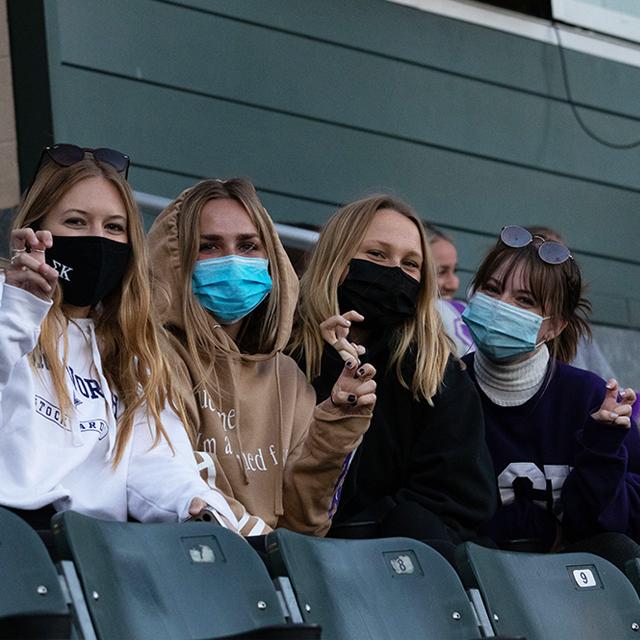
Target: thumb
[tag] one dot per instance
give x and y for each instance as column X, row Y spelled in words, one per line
column 196, row 506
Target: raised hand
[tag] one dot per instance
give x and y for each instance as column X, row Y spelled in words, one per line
column 616, row 406
column 27, row 269
column 335, row 331
column 355, row 387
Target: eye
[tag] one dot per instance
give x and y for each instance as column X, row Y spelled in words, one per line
column 248, row 247
column 526, row 301
column 491, row 289
column 411, row 264
column 115, row 227
column 74, row 222
column 206, row 247
column 375, row 253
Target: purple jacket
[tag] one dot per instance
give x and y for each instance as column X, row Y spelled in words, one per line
column 558, row 468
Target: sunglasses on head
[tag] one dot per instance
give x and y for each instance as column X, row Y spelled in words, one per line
column 67, row 155
column 549, row 251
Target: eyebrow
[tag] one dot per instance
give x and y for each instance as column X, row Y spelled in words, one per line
column 240, row 236
column 119, row 216
column 500, row 283
column 387, row 245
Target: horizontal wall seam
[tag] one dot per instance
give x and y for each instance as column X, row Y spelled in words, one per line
column 359, row 129
column 275, row 192
column 407, row 61
column 331, row 203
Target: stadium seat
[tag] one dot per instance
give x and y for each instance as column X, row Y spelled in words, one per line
column 632, row 571
column 32, row 604
column 391, row 588
column 178, row 581
column 551, row 596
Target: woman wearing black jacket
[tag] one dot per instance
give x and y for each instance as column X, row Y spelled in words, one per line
column 423, row 469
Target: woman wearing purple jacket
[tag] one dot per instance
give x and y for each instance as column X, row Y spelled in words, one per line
column 565, row 452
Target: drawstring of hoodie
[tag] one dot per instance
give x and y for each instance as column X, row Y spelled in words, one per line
column 76, row 437
column 236, row 430
column 111, row 435
column 279, row 475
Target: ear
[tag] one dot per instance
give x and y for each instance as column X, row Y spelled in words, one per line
column 554, row 328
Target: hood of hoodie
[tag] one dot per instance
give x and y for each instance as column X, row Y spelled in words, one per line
column 167, row 273
column 245, row 415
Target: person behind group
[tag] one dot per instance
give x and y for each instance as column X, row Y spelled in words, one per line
column 445, row 256
column 88, row 416
column 423, row 469
column 566, row 460
column 227, row 292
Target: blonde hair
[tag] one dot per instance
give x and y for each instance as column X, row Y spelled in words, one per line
column 260, row 329
column 130, row 339
column 420, row 337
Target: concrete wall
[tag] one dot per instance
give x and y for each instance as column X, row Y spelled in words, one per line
column 9, row 189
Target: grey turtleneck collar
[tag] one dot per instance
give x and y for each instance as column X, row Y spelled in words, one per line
column 510, row 385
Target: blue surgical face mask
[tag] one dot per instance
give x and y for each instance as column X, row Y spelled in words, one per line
column 500, row 330
column 231, row 287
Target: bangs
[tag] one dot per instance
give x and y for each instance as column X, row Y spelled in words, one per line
column 546, row 282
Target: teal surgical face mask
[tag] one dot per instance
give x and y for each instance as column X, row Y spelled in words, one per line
column 500, row 330
column 231, row 287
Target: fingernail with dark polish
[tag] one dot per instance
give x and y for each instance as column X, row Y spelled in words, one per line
column 361, row 371
column 349, row 364
column 351, row 398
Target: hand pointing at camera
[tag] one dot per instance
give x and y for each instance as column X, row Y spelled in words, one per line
column 617, row 406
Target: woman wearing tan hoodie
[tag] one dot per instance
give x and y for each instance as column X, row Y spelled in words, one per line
column 227, row 292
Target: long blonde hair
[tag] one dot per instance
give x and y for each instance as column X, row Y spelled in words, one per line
column 130, row 340
column 421, row 337
column 260, row 329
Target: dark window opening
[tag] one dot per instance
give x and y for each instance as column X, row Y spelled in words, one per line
column 537, row 8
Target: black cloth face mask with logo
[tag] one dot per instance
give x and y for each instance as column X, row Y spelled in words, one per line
column 89, row 267
column 385, row 296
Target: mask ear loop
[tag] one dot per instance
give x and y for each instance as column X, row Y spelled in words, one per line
column 539, row 344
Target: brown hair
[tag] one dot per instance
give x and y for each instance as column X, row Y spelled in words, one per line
column 130, row 340
column 556, row 288
column 338, row 243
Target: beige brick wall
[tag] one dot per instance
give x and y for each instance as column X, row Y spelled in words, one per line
column 9, row 186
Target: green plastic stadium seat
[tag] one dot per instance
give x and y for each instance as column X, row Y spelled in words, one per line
column 551, row 596
column 32, row 604
column 632, row 571
column 179, row 581
column 391, row 588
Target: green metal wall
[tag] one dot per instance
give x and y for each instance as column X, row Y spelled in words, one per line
column 320, row 102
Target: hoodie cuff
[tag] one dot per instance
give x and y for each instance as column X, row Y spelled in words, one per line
column 329, row 412
column 604, row 438
column 32, row 309
column 337, row 431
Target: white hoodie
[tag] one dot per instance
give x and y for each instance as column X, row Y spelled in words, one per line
column 47, row 458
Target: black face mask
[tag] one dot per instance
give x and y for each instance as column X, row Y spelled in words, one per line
column 90, row 267
column 385, row 296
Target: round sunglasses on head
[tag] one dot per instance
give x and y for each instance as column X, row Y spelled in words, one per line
column 67, row 155
column 549, row 251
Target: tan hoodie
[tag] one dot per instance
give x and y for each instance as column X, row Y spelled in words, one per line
column 261, row 440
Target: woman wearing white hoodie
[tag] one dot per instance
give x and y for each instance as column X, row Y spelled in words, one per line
column 88, row 418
